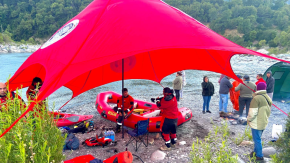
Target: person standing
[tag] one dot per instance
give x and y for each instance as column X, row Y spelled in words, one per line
column 225, row 86
column 234, row 96
column 245, row 94
column 168, row 105
column 222, row 76
column 183, row 83
column 177, row 85
column 259, row 113
column 260, row 79
column 128, row 108
column 270, row 81
column 32, row 93
column 207, row 92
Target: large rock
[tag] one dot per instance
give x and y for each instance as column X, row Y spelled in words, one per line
column 158, row 155
column 269, row 151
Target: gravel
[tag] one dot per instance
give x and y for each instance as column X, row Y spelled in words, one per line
column 199, row 126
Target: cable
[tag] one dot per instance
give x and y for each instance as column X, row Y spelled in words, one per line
column 138, row 157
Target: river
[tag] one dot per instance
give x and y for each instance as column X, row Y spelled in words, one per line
column 139, row 88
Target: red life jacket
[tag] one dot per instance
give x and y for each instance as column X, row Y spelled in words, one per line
column 128, row 102
column 169, row 108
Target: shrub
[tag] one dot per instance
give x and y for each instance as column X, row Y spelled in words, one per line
column 214, row 148
column 35, row 138
column 282, row 145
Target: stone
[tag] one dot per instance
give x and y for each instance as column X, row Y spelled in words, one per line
column 182, row 143
column 267, row 152
column 239, row 160
column 157, row 136
column 151, row 141
column 246, row 143
column 158, row 156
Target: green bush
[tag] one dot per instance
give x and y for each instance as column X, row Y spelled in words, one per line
column 35, row 138
column 283, row 145
column 214, row 148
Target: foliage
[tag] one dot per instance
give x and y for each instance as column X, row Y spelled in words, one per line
column 214, row 148
column 35, row 138
column 282, row 145
column 246, row 136
column 256, row 20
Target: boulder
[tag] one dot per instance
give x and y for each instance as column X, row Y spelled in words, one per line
column 267, row 152
column 158, row 156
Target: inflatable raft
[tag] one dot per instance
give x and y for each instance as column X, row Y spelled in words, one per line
column 107, row 100
column 63, row 119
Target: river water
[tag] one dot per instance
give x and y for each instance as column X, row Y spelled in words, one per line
column 139, row 88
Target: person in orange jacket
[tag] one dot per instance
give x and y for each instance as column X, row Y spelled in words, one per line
column 234, row 96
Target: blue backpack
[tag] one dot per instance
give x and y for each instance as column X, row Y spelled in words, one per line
column 71, row 142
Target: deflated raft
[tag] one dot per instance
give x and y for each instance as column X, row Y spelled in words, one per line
column 144, row 110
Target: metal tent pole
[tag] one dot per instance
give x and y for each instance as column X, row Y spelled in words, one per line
column 123, row 99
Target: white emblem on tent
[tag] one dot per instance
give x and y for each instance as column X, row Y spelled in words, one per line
column 61, row 33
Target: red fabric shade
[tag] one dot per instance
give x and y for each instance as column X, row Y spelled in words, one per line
column 150, row 35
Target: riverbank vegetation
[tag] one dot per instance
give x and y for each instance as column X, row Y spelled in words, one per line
column 35, row 138
column 249, row 23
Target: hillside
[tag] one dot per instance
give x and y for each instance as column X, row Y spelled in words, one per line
column 246, row 22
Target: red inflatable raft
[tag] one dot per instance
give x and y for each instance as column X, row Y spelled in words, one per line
column 63, row 119
column 105, row 99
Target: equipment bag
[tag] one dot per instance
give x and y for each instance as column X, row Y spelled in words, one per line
column 71, row 142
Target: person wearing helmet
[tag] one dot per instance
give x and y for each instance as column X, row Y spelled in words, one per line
column 168, row 105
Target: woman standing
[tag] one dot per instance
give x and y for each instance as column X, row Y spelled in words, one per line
column 207, row 92
column 183, row 82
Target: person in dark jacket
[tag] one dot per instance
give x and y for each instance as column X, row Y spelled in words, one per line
column 207, row 92
column 225, row 86
column 270, row 81
column 168, row 105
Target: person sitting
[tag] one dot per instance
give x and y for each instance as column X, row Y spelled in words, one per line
column 33, row 91
column 128, row 108
column 4, row 96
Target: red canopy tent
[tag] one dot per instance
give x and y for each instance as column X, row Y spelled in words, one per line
column 154, row 38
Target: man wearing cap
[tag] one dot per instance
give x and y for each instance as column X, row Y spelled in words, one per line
column 168, row 105
column 245, row 94
column 270, row 81
column 128, row 108
column 259, row 113
column 234, row 96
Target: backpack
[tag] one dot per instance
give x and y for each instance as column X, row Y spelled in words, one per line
column 71, row 142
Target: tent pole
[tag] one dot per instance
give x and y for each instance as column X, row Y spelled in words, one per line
column 123, row 99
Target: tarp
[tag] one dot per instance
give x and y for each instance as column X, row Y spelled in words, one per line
column 155, row 39
column 281, row 74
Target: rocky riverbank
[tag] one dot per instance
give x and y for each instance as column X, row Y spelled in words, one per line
column 14, row 48
column 198, row 127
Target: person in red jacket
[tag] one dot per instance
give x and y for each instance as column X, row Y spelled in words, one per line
column 4, row 96
column 260, row 79
column 32, row 92
column 168, row 105
column 128, row 108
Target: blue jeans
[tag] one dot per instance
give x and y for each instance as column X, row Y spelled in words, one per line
column 257, row 142
column 206, row 100
column 224, row 102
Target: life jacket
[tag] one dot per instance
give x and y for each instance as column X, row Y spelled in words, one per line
column 128, row 104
